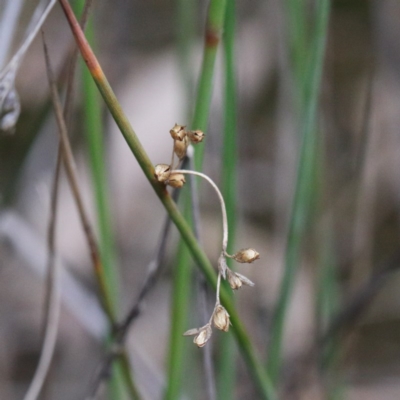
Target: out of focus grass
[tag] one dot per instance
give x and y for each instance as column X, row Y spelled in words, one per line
column 307, row 54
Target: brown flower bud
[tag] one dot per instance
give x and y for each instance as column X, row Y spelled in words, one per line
column 236, row 280
column 176, row 180
column 221, row 318
column 162, row 172
column 196, row 136
column 180, row 147
column 246, row 255
column 178, row 132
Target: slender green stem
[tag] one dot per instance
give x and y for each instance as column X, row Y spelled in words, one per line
column 94, row 136
column 186, row 18
column 180, row 308
column 227, row 364
column 93, row 127
column 304, row 188
column 213, row 34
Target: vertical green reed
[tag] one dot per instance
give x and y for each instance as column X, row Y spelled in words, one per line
column 227, row 361
column 93, row 126
column 181, row 294
column 94, row 134
column 308, row 92
column 213, row 34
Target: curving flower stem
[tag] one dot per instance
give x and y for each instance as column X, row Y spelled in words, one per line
column 221, row 200
column 217, row 303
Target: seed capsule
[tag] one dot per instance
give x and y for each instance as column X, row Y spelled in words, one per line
column 221, row 319
column 203, row 336
column 196, row 136
column 176, row 180
column 162, row 172
column 180, row 147
column 178, row 132
column 246, row 255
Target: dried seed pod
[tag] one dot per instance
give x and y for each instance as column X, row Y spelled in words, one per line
column 203, row 336
column 196, row 136
column 222, row 265
column 162, row 172
column 176, row 180
column 221, row 318
column 178, row 132
column 246, row 255
column 180, row 147
column 236, row 280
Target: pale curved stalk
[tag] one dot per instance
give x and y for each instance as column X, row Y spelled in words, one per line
column 221, row 200
column 50, row 337
column 218, row 287
column 15, row 61
column 8, row 23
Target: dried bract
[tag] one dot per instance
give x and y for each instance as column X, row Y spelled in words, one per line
column 236, row 280
column 221, row 318
column 192, row 332
column 178, row 132
column 176, row 180
column 246, row 255
column 162, row 172
column 196, row 136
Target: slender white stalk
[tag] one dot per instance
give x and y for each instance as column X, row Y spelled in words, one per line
column 217, row 300
column 9, row 22
column 221, row 200
column 218, row 288
column 50, row 337
column 16, row 60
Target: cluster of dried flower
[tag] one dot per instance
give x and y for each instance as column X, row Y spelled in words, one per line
column 166, row 174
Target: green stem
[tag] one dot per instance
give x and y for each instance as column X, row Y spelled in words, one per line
column 197, row 252
column 303, row 191
column 213, row 34
column 180, row 308
column 227, row 360
column 94, row 136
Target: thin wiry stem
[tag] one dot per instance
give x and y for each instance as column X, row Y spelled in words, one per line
column 72, row 175
column 218, row 302
column 53, row 303
column 16, row 59
column 8, row 23
column 70, row 167
column 221, row 200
